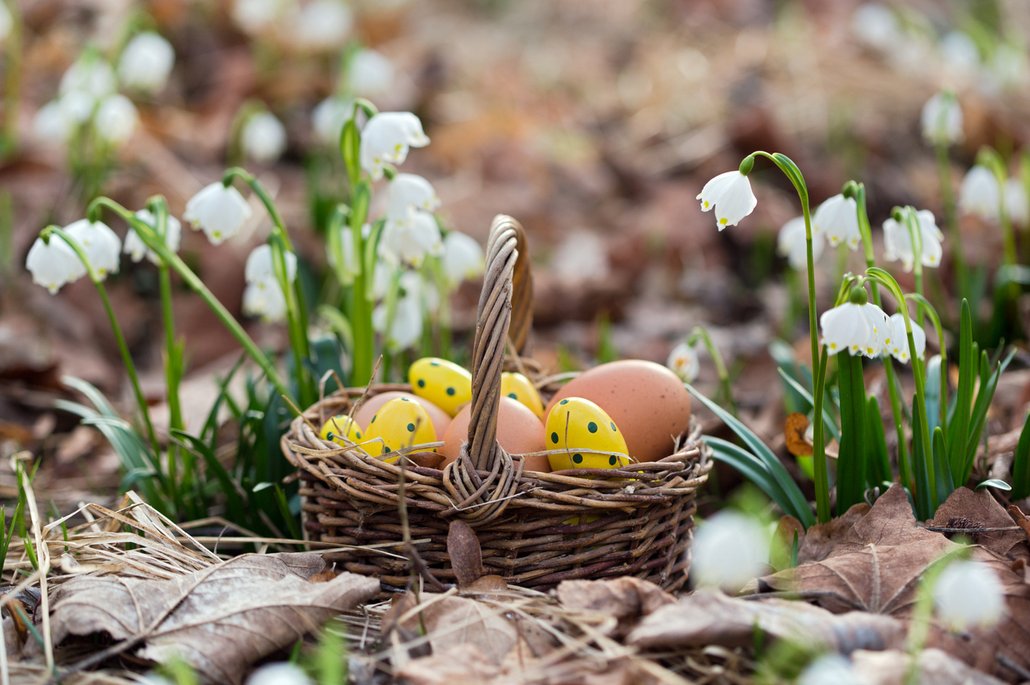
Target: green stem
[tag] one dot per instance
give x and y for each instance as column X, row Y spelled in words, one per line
column 12, row 85
column 360, row 306
column 915, row 236
column 701, row 333
column 951, row 217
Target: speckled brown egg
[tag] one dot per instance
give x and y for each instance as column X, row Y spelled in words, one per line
column 646, row 400
column 366, row 411
column 518, row 431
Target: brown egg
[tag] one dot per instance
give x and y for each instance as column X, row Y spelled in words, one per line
column 367, row 410
column 518, row 430
column 646, row 400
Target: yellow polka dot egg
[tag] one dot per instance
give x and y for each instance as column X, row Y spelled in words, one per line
column 399, row 424
column 519, row 388
column 341, row 429
column 586, row 436
column 441, row 382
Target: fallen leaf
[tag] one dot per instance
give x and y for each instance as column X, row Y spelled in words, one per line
column 983, row 520
column 625, row 600
column 455, row 665
column 794, row 428
column 892, row 667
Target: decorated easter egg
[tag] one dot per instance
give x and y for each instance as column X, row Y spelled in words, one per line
column 519, row 431
column 341, row 429
column 443, row 383
column 364, row 413
column 647, row 401
column 399, row 424
column 518, row 387
column 588, row 436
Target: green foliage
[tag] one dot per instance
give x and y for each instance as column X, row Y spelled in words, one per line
column 1021, row 463
column 852, row 471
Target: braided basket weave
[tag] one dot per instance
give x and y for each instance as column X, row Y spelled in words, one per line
column 533, row 529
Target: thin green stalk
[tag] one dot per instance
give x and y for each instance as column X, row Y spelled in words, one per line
column 12, row 84
column 701, row 333
column 360, row 306
column 951, row 217
column 924, row 306
column 915, row 236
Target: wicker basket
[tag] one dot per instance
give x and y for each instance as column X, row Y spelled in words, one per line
column 534, row 529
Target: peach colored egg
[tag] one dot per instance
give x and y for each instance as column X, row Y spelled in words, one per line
column 366, row 411
column 518, row 430
column 646, row 400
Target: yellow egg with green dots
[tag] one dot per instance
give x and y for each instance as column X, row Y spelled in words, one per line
column 399, row 424
column 342, row 430
column 443, row 383
column 587, row 436
column 520, row 389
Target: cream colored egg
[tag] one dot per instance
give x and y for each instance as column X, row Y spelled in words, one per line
column 399, row 424
column 342, row 430
column 443, row 383
column 586, row 434
column 519, row 388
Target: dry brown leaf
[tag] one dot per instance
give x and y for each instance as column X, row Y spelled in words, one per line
column 625, row 600
column 458, row 664
column 891, row 667
column 794, row 428
column 220, row 619
column 983, row 521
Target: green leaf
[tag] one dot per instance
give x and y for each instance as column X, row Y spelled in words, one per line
column 996, row 483
column 878, row 463
column 350, row 150
column 1021, row 463
column 851, row 461
column 958, row 423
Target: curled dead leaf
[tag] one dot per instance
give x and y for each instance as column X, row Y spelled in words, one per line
column 794, row 428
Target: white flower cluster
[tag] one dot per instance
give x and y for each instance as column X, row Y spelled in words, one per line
column 862, row 328
column 981, row 195
column 315, row 26
column 263, row 296
column 369, row 74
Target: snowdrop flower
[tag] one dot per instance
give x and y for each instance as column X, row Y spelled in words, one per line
column 328, row 118
column 116, row 119
column 263, row 137
column 6, row 23
column 261, row 266
column 829, row 668
column 406, row 327
column 386, row 139
column 265, row 299
column 685, row 362
column 53, row 264
column 370, row 74
column 979, row 193
column 942, row 120
column 968, row 594
column 729, row 550
column 146, row 62
column 283, row 673
column 837, row 219
column 137, row 249
column 730, row 195
column 408, row 241
column 77, row 106
column 875, row 26
column 255, row 16
column 1016, row 205
column 322, row 24
column 898, row 246
column 791, row 244
column 1007, row 68
column 959, row 52
column 91, row 75
column 52, row 124
column 218, row 210
column 101, row 245
column 410, row 192
column 897, row 342
column 462, row 259
column 856, row 326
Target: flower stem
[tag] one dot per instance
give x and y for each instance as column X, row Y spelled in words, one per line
column 701, row 333
column 360, row 307
column 951, row 217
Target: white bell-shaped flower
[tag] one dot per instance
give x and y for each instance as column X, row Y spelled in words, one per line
column 101, row 244
column 897, row 342
column 685, row 362
column 406, row 327
column 146, row 62
column 837, row 219
column 959, row 53
column 218, row 210
column 282, row 673
column 730, row 195
column 264, row 299
column 116, row 119
column 53, row 264
column 729, row 550
column 137, row 249
column 52, row 123
column 968, row 594
column 78, row 106
column 1016, row 205
column 322, row 25
column 370, row 74
column 386, row 139
column 408, row 241
column 410, row 192
column 263, row 137
column 829, row 668
column 979, row 193
column 858, row 328
column 462, row 259
column 875, row 26
column 328, row 119
column 256, row 16
column 942, row 120
column 897, row 241
column 261, row 265
column 6, row 23
column 790, row 243
column 91, row 75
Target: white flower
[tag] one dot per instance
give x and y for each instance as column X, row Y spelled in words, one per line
column 6, row 23
column 283, row 673
column 102, row 247
column 875, row 26
column 462, row 259
column 53, row 264
column 263, row 137
column 1016, row 205
column 942, row 120
column 329, row 117
column 979, row 193
column 897, row 241
column 219, row 211
column 730, row 195
column 408, row 241
column 146, row 62
column 77, row 106
column 410, row 192
column 1007, row 68
column 265, row 299
column 370, row 74
column 91, row 75
column 116, row 119
column 322, row 25
column 829, row 668
column 791, row 243
column 386, row 139
column 685, row 362
column 255, row 16
column 137, row 249
column 959, row 52
column 858, row 328
column 52, row 123
column 897, row 343
column 261, row 267
column 968, row 594
column 837, row 219
column 406, row 326
column 729, row 549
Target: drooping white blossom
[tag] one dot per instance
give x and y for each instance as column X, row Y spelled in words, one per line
column 257, row 16
column 263, row 137
column 370, row 74
column 968, row 594
column 858, row 328
column 91, row 75
column 790, row 243
column 875, row 26
column 322, row 25
column 410, row 192
column 53, row 264
column 101, row 244
column 829, row 669
column 218, row 210
column 979, row 193
column 729, row 550
column 897, row 241
column 265, row 299
column 137, row 249
column 730, row 195
column 897, row 343
column 146, row 62
column 328, row 118
column 462, row 258
column 283, row 673
column 837, row 219
column 1016, row 205
column 78, row 106
column 409, row 240
column 261, row 265
column 386, row 139
column 959, row 53
column 52, row 123
column 685, row 361
column 116, row 119
column 404, row 330
column 942, row 120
